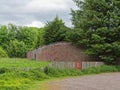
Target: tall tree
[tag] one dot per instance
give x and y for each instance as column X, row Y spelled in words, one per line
column 13, row 37
column 29, row 36
column 55, row 31
column 40, row 40
column 97, row 27
column 3, row 36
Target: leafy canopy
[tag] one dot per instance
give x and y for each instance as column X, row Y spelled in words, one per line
column 2, row 53
column 17, row 40
column 55, row 31
column 97, row 28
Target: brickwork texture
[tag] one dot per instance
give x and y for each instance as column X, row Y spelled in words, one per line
column 62, row 51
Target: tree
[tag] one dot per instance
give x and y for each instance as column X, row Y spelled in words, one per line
column 16, row 49
column 54, row 31
column 3, row 36
column 40, row 37
column 68, row 34
column 97, row 28
column 7, row 33
column 2, row 53
column 28, row 35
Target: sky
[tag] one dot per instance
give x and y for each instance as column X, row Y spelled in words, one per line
column 35, row 13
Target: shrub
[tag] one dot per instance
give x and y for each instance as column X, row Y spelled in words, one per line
column 3, row 53
column 16, row 49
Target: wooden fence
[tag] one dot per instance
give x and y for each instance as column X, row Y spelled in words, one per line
column 75, row 65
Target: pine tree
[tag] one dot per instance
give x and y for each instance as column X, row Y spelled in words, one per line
column 55, row 31
column 97, row 27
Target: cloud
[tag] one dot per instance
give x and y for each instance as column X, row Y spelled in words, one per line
column 36, row 24
column 26, row 12
column 47, row 5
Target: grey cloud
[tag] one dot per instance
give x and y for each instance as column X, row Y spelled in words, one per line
column 13, row 11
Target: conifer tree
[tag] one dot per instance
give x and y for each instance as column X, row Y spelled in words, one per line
column 55, row 31
column 97, row 28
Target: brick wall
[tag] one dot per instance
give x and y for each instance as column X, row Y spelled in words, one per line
column 62, row 51
column 30, row 55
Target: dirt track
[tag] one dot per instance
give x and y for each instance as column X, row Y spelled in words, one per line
column 109, row 81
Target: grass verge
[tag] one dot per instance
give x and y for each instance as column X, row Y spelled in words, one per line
column 23, row 79
column 18, row 74
column 57, row 74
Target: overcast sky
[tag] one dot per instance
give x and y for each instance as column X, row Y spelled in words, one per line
column 35, row 12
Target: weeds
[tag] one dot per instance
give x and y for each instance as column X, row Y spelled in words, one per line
column 19, row 79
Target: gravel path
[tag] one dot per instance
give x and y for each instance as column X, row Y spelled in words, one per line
column 109, row 81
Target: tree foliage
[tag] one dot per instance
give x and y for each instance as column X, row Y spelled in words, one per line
column 28, row 36
column 18, row 40
column 3, row 53
column 55, row 31
column 16, row 49
column 15, row 38
column 97, row 27
column 40, row 38
column 3, row 36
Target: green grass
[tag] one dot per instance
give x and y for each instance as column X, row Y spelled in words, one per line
column 18, row 74
column 20, row 78
column 53, row 72
column 21, row 63
column 61, row 74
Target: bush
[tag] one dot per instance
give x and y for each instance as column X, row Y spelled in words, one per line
column 3, row 53
column 16, row 49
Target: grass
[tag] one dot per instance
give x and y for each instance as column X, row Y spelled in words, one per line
column 20, row 63
column 18, row 74
column 22, row 79
column 53, row 72
column 56, row 74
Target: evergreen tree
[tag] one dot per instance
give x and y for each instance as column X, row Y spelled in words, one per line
column 55, row 31
column 97, row 27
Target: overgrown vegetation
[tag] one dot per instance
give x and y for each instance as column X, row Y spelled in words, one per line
column 97, row 28
column 3, row 53
column 17, row 74
column 21, row 74
column 54, row 72
column 18, row 40
column 21, row 63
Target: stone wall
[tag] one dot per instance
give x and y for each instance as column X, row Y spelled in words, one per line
column 62, row 51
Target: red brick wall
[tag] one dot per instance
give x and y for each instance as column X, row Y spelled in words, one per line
column 60, row 52
column 30, row 55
